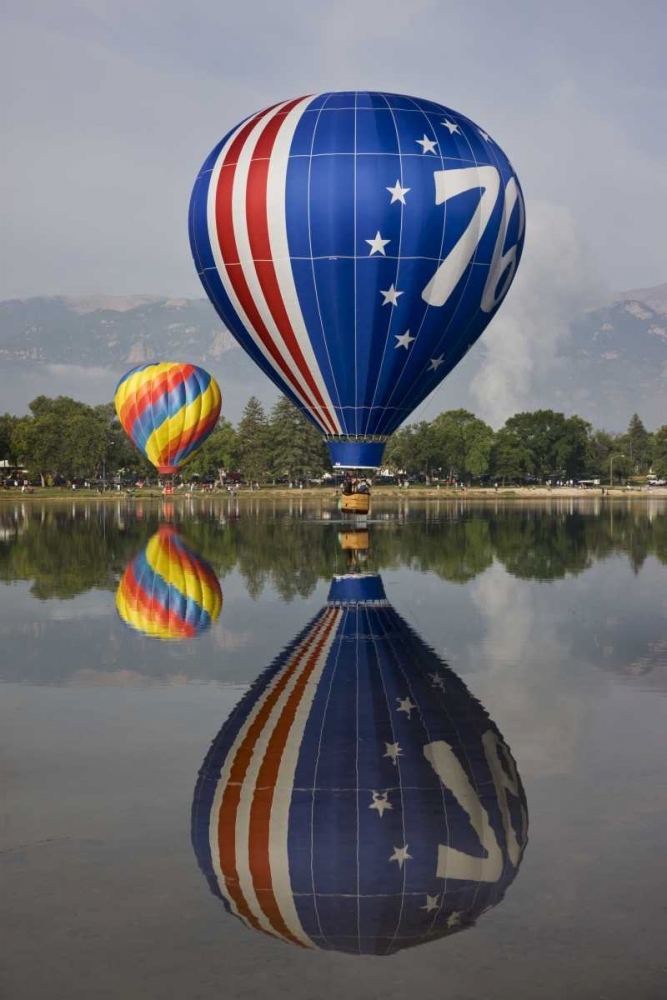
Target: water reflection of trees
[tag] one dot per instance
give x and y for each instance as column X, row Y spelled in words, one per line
column 63, row 556
column 65, row 551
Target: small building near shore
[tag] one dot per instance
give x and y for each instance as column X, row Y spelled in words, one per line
column 8, row 470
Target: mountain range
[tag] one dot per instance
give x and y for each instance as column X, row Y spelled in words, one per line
column 613, row 364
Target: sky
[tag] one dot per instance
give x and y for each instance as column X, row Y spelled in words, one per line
column 114, row 104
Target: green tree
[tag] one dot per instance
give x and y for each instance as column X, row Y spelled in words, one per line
column 38, row 446
column 296, row 446
column 463, row 443
column 61, row 437
column 397, row 450
column 510, row 458
column 572, row 446
column 638, row 446
column 660, row 452
column 219, row 453
column 120, row 454
column 253, row 437
column 551, row 443
column 599, row 447
column 8, row 426
column 413, row 449
column 538, row 432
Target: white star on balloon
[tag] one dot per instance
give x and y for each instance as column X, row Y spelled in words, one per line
column 393, row 751
column 436, row 362
column 438, row 681
column 380, row 802
column 401, row 855
column 404, row 340
column 377, row 244
column 452, row 126
column 405, row 705
column 398, row 193
column 485, row 135
column 390, row 296
column 431, row 903
column 454, row 919
column 427, row 145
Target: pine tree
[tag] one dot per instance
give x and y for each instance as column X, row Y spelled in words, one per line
column 638, row 444
column 297, row 450
column 253, row 442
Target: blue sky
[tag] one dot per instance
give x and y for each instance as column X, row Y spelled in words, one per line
column 114, row 105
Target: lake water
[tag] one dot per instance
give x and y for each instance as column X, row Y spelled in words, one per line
column 330, row 763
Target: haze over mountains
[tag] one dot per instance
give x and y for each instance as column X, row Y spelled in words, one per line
column 613, row 363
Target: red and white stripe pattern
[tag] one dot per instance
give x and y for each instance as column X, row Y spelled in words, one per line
column 247, row 229
column 248, row 832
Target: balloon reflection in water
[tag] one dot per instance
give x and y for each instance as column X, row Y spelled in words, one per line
column 168, row 591
column 359, row 798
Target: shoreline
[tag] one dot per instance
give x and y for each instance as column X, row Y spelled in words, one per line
column 395, row 493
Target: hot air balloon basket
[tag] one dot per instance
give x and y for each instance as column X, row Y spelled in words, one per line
column 354, row 503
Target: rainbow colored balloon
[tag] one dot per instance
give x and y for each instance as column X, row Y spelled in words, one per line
column 168, row 591
column 168, row 409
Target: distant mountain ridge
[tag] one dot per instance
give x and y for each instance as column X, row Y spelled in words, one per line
column 81, row 346
column 615, row 361
column 617, row 364
column 110, row 330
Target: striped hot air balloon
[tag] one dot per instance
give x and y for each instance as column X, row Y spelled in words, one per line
column 359, row 799
column 168, row 409
column 357, row 244
column 168, row 591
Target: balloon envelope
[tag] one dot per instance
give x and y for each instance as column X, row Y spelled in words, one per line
column 358, row 798
column 168, row 591
column 168, row 409
column 357, row 245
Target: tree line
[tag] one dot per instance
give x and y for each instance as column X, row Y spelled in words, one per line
column 62, row 439
column 541, row 444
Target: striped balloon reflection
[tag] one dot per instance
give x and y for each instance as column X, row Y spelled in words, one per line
column 359, row 798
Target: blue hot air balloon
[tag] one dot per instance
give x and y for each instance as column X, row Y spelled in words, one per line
column 357, row 245
column 358, row 798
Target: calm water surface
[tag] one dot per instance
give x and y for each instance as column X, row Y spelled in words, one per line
column 553, row 620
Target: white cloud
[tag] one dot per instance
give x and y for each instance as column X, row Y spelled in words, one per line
column 554, row 282
column 520, row 674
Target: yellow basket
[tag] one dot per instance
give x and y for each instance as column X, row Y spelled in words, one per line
column 355, row 503
column 354, row 541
